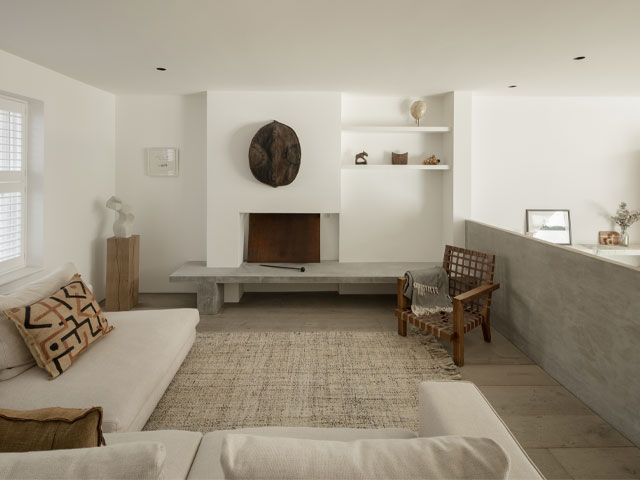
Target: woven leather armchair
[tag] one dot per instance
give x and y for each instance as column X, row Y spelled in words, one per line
column 470, row 287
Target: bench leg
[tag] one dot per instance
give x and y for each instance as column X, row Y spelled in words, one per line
column 210, row 297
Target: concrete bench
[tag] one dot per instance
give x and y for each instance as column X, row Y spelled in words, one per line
column 210, row 281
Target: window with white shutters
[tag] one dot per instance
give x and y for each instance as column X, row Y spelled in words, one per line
column 13, row 183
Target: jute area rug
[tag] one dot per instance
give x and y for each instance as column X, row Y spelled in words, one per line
column 317, row 379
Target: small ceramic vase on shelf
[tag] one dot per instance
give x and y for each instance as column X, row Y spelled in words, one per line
column 624, row 238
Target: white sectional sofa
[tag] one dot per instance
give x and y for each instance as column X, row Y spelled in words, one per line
column 127, row 373
column 445, row 408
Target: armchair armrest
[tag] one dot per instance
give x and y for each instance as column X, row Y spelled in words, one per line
column 475, row 293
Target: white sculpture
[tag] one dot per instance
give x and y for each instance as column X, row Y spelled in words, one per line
column 418, row 109
column 123, row 226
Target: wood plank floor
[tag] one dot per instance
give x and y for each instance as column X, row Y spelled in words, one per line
column 561, row 434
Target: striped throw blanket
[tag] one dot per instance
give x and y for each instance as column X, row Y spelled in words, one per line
column 428, row 290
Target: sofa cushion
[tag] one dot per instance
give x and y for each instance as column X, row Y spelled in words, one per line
column 126, row 374
column 181, row 447
column 141, row 460
column 259, row 457
column 50, row 429
column 207, row 462
column 15, row 357
column 61, row 326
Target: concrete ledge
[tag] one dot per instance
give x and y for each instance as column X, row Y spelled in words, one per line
column 324, row 272
column 211, row 280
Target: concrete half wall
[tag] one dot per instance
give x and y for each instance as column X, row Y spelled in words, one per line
column 575, row 314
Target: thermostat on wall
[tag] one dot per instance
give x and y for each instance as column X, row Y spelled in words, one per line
column 162, row 161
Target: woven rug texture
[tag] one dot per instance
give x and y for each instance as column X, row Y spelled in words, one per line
column 317, row 379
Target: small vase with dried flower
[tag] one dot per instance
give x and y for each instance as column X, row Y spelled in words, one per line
column 624, row 219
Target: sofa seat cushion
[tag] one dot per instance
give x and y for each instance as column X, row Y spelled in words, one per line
column 207, row 462
column 181, row 447
column 126, row 373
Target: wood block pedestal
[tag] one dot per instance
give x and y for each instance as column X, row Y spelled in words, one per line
column 122, row 273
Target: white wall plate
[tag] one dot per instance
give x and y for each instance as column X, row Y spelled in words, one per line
column 162, row 161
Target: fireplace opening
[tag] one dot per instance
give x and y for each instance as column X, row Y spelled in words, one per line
column 284, row 238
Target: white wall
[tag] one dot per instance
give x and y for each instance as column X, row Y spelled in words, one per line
column 391, row 216
column 555, row 152
column 170, row 211
column 79, row 132
column 232, row 120
column 457, row 189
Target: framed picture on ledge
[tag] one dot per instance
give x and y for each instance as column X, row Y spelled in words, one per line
column 551, row 225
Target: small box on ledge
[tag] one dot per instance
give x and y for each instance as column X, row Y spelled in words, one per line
column 122, row 273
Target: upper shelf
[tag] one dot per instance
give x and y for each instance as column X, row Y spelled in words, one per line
column 392, row 129
column 394, row 167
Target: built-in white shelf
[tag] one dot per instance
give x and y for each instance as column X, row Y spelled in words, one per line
column 395, row 167
column 393, row 129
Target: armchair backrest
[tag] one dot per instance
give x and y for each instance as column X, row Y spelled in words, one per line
column 468, row 269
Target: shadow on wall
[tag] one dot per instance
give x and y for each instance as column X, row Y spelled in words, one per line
column 99, row 247
column 602, row 211
column 239, row 150
column 631, row 167
column 633, row 174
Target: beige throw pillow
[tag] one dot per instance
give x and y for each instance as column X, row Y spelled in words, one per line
column 15, row 356
column 452, row 457
column 61, row 326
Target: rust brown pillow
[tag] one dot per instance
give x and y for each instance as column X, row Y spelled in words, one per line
column 50, row 429
column 61, row 326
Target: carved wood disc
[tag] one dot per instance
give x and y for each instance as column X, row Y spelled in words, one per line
column 274, row 154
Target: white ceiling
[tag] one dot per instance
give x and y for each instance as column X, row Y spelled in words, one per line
column 407, row 47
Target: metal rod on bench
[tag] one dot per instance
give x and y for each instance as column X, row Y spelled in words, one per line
column 300, row 269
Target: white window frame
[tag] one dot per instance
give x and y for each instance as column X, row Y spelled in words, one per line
column 17, row 182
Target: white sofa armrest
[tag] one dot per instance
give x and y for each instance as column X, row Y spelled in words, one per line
column 459, row 408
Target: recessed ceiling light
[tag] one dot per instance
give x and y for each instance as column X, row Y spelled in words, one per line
column 579, row 58
column 513, row 86
column 162, row 69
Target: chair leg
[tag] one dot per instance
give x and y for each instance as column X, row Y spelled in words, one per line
column 486, row 330
column 458, row 350
column 458, row 331
column 402, row 326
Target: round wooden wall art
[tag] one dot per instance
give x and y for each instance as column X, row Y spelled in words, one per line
column 274, row 155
